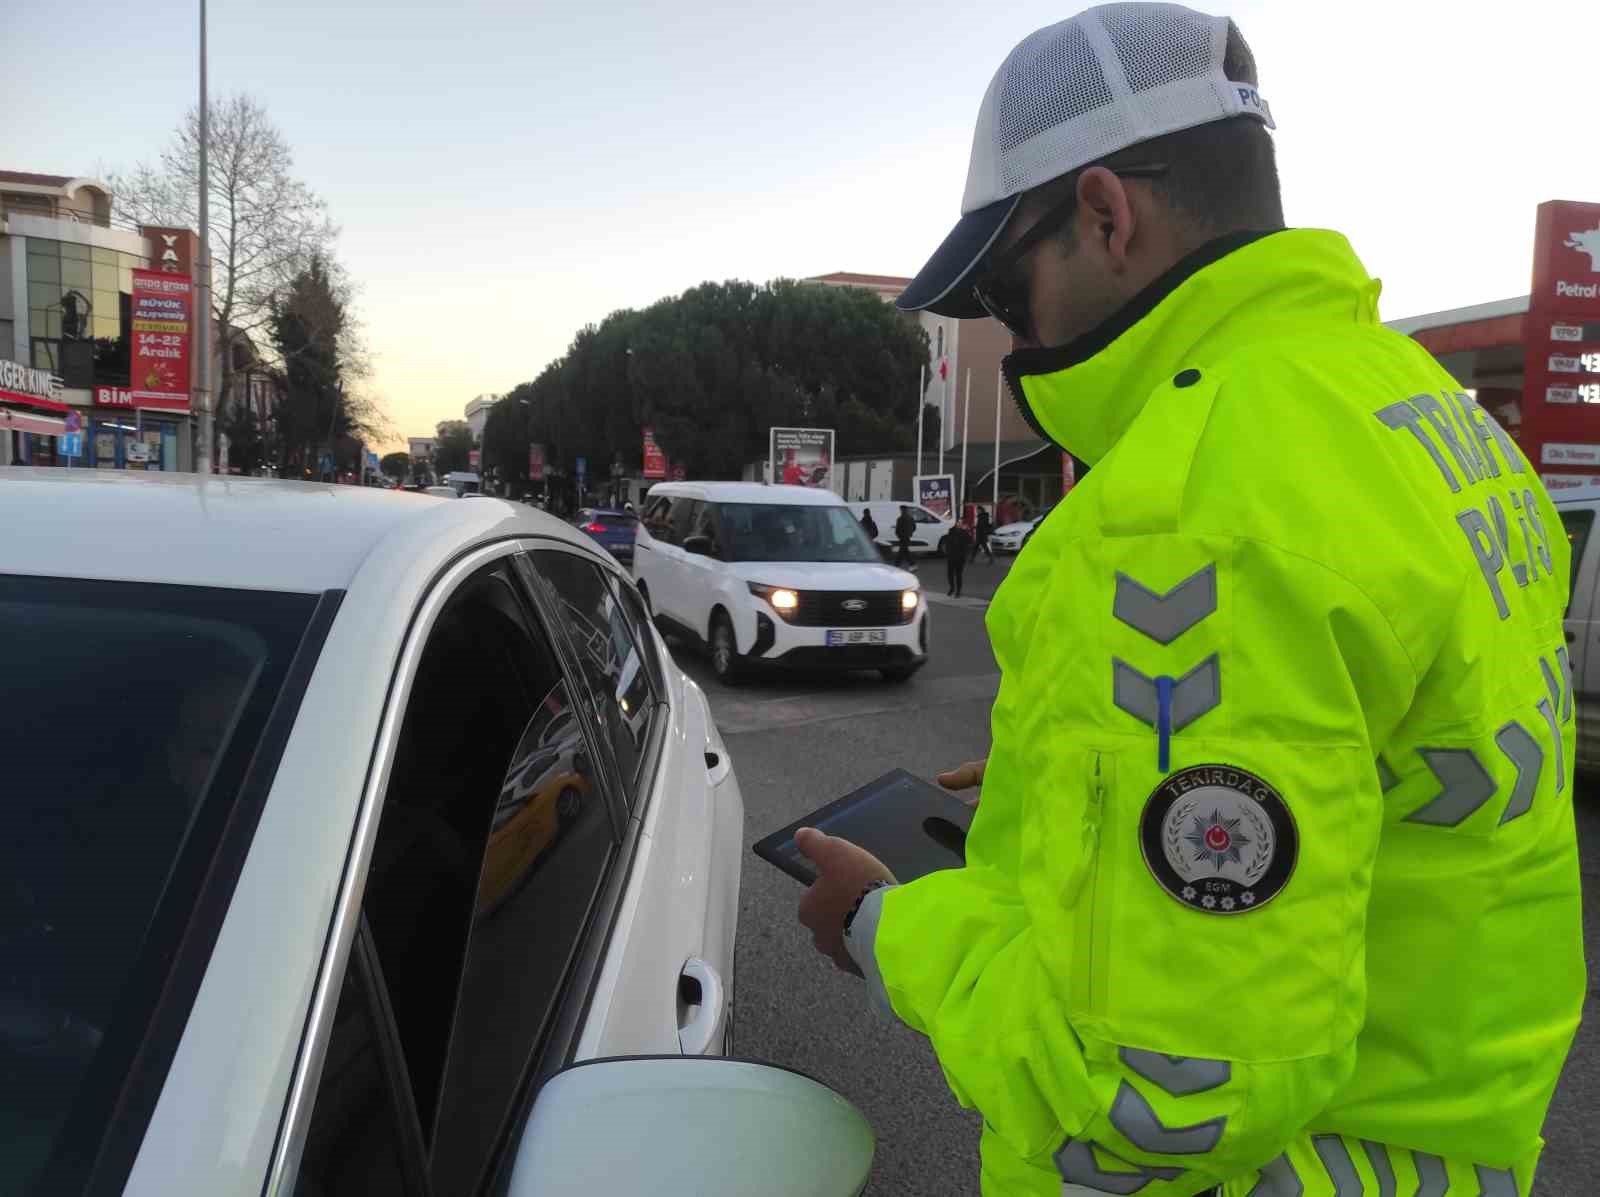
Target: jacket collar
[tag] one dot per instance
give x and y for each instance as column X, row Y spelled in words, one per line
column 1083, row 396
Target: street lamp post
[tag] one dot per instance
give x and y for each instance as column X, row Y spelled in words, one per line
column 202, row 451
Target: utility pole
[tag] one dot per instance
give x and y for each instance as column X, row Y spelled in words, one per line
column 202, row 449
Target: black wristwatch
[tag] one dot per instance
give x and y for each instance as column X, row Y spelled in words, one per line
column 862, row 897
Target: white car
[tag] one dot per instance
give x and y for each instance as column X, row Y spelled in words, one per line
column 1578, row 507
column 927, row 538
column 1010, row 538
column 349, row 837
column 776, row 577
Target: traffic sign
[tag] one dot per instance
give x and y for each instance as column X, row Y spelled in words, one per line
column 70, row 444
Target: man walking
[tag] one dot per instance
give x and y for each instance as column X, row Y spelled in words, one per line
column 957, row 551
column 984, row 526
column 1274, row 883
column 904, row 528
column 869, row 525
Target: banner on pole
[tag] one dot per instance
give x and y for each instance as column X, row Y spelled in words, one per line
column 936, row 492
column 162, row 305
column 535, row 463
column 655, row 461
column 801, row 456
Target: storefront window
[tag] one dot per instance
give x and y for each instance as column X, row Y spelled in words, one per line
column 103, row 280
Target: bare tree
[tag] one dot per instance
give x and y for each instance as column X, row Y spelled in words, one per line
column 265, row 223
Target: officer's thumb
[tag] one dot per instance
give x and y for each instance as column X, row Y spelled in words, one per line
column 820, row 849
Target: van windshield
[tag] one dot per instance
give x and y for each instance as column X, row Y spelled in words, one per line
column 782, row 532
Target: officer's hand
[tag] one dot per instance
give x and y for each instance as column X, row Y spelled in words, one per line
column 843, row 871
column 965, row 777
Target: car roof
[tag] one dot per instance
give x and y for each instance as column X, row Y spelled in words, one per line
column 747, row 492
column 245, row 533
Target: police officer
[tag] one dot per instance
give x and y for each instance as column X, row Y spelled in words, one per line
column 1273, row 885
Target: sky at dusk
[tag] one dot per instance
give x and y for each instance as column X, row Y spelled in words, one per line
column 504, row 173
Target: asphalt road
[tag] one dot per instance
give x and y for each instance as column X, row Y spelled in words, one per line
column 797, row 744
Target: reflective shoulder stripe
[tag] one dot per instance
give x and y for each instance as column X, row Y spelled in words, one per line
column 1133, row 1116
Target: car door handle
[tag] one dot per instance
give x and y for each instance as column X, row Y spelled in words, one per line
column 702, row 1006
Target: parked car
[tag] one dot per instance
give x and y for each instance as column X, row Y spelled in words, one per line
column 463, row 482
column 388, row 830
column 1012, row 537
column 1578, row 507
column 927, row 540
column 441, row 492
column 612, row 530
column 776, row 577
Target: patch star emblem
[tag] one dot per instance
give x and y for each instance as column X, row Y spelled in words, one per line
column 1220, row 840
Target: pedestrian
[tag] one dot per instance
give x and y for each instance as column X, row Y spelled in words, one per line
column 957, row 551
column 904, row 528
column 984, row 526
column 869, row 525
column 1274, row 883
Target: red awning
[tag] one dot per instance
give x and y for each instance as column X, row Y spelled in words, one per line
column 28, row 400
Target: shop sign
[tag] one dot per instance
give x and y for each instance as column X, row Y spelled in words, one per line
column 161, row 305
column 1554, row 482
column 112, row 397
column 1559, row 454
column 173, row 250
column 35, row 388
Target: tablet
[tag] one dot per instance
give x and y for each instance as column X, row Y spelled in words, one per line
column 913, row 826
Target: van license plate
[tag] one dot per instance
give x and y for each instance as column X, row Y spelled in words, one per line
column 838, row 637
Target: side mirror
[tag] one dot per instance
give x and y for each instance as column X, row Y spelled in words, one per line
column 690, row 1124
column 700, row 546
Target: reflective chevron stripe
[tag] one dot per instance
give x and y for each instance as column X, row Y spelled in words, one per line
column 1077, row 1165
column 1432, row 1179
column 1278, row 1179
column 1382, row 1168
column 1523, row 751
column 1335, row 1157
column 1193, row 694
column 1133, row 1116
column 1466, row 786
column 1165, row 617
column 1178, row 1075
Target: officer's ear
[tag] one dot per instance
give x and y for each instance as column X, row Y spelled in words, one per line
column 1112, row 219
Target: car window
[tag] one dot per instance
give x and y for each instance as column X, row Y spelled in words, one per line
column 1578, row 522
column 362, row 1116
column 132, row 713
column 619, row 675
column 658, row 519
column 705, row 524
column 491, row 845
column 923, row 517
column 792, row 532
column 684, row 514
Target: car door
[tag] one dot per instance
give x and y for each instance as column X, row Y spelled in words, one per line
column 1583, row 626
column 498, row 837
column 929, row 531
column 701, row 571
column 655, row 558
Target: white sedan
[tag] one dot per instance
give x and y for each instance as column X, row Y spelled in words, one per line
column 350, row 840
column 1009, row 538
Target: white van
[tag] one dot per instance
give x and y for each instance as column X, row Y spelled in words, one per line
column 778, row 577
column 1579, row 508
column 463, row 482
column 926, row 540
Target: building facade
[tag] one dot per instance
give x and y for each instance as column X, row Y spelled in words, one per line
column 66, row 280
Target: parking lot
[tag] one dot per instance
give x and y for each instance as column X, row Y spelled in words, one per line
column 799, row 743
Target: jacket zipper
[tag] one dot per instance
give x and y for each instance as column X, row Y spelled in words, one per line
column 1091, row 847
column 1020, row 402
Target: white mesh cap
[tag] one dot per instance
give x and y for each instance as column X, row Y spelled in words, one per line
column 1069, row 95
column 1097, row 83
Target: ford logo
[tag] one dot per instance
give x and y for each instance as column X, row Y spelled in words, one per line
column 854, row 604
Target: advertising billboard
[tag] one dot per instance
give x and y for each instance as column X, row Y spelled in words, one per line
column 1561, row 346
column 159, row 356
column 535, row 463
column 801, row 456
column 937, row 492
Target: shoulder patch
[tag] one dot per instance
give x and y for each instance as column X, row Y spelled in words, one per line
column 1218, row 839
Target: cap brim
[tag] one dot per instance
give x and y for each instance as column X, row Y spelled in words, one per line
column 944, row 285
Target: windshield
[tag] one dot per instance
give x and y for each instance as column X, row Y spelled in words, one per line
column 132, row 714
column 782, row 532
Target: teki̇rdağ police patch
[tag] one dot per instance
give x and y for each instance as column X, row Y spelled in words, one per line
column 1218, row 839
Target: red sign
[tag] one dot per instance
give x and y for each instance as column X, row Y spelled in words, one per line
column 159, row 364
column 655, row 461
column 473, row 458
column 1561, row 346
column 29, row 386
column 172, row 251
column 112, row 397
column 535, row 463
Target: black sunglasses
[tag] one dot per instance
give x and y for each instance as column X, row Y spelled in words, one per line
column 1002, row 290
